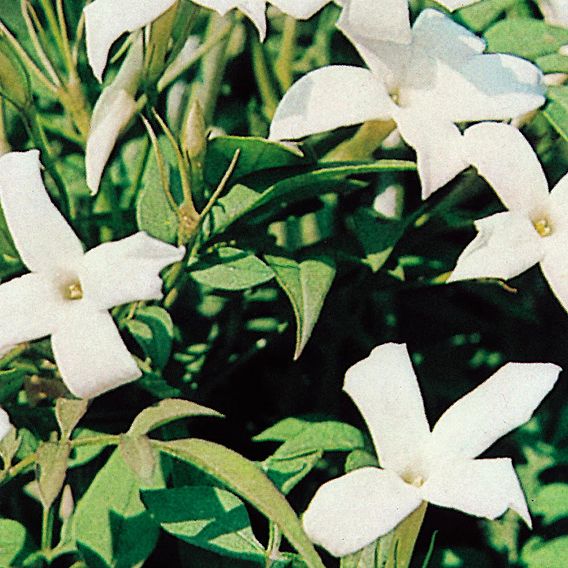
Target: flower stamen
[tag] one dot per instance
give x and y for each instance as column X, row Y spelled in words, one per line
column 74, row 291
column 543, row 227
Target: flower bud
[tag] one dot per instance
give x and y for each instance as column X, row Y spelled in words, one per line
column 195, row 133
column 14, row 81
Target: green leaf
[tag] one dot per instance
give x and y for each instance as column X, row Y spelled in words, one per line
column 9, row 446
column 525, row 37
column 556, row 111
column 111, row 525
column 154, row 213
column 10, row 382
column 257, row 154
column 288, row 472
column 207, row 517
column 306, row 284
column 480, row 15
column 553, row 63
column 229, row 268
column 551, row 554
column 365, row 558
column 246, row 480
column 551, row 502
column 283, row 430
column 52, row 460
column 328, row 436
column 153, row 329
column 360, row 458
column 15, row 543
column 68, row 413
column 167, row 411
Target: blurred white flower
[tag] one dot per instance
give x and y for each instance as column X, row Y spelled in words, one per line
column 535, row 227
column 5, row 424
column 442, row 77
column 438, row 466
column 68, row 293
column 555, row 12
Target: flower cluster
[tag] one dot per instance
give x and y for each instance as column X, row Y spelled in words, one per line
column 427, row 78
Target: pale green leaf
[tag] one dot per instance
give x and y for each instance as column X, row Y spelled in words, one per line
column 52, row 460
column 68, row 413
column 139, row 455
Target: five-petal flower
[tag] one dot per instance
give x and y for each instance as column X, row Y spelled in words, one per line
column 535, row 227
column 68, row 293
column 441, row 78
column 438, row 466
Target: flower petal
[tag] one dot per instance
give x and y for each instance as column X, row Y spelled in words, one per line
column 112, row 113
column 390, row 21
column 107, row 20
column 438, row 145
column 352, row 511
column 502, row 403
column 5, row 424
column 30, row 308
column 554, row 266
column 506, row 246
column 128, row 270
column 328, row 98
column 502, row 155
column 385, row 389
column 43, row 238
column 90, row 353
column 484, row 488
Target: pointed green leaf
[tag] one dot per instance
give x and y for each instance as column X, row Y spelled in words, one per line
column 306, row 284
column 52, row 460
column 229, row 268
column 288, row 472
column 167, row 411
column 111, row 525
column 246, row 480
column 207, row 517
column 68, row 413
column 281, row 431
column 549, row 554
column 556, row 111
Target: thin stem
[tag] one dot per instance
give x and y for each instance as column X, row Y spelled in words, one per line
column 283, row 65
column 47, row 530
column 4, row 143
column 65, row 38
column 264, row 79
column 78, row 38
column 26, row 59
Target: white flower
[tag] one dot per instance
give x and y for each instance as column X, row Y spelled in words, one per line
column 535, row 227
column 114, row 110
column 68, row 293
column 440, row 78
column 107, row 20
column 5, row 425
column 555, row 12
column 438, row 466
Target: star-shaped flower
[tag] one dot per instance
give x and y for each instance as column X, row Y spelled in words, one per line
column 442, row 77
column 535, row 227
column 68, row 293
column 438, row 466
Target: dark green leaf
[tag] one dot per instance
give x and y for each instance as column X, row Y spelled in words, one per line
column 246, row 480
column 306, row 284
column 229, row 268
column 207, row 517
column 167, row 411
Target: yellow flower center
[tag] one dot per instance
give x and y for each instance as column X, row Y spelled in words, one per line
column 74, row 291
column 543, row 227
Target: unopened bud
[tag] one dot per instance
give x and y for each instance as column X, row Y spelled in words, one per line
column 67, row 504
column 14, row 81
column 195, row 133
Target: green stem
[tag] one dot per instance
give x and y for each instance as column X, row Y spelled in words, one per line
column 363, row 144
column 47, row 530
column 285, row 59
column 4, row 143
column 264, row 79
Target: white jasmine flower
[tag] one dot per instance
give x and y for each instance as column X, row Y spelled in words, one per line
column 5, row 424
column 68, row 293
column 107, row 20
column 438, row 466
column 441, row 78
column 535, row 227
column 115, row 108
